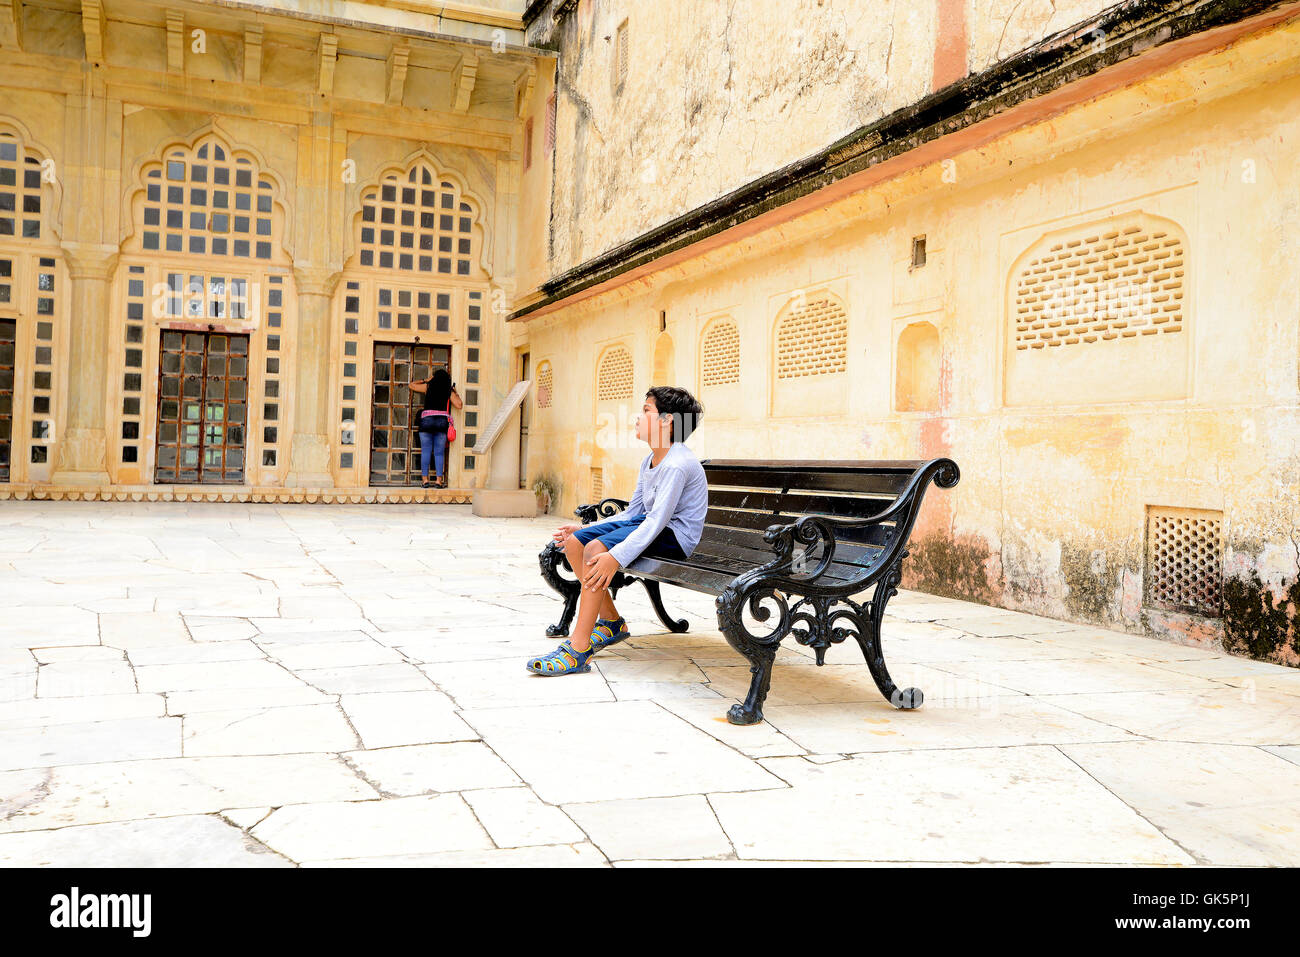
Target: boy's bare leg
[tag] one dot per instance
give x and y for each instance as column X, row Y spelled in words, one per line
column 573, row 549
column 589, row 602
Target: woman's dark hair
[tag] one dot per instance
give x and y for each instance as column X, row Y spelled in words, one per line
column 438, row 394
column 681, row 405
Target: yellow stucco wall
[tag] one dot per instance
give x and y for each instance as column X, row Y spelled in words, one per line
column 1067, row 454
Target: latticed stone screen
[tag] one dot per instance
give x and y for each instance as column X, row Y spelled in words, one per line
column 20, row 190
column 614, row 375
column 418, row 222
column 720, row 354
column 812, row 339
column 1185, row 560
column 597, row 484
column 544, row 385
column 1118, row 283
column 207, row 202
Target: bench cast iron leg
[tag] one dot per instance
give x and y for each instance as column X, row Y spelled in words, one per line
column 760, row 650
column 869, row 639
column 551, row 558
column 677, row 625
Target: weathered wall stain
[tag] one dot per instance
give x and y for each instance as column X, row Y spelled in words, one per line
column 953, row 568
column 1260, row 621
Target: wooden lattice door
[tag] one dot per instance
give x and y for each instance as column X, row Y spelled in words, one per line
column 202, row 408
column 395, row 409
column 8, row 346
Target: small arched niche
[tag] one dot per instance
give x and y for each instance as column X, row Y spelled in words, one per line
column 917, row 369
column 664, row 366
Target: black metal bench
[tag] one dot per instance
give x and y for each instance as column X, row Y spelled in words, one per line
column 796, row 538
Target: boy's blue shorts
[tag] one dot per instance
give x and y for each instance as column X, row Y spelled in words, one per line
column 610, row 534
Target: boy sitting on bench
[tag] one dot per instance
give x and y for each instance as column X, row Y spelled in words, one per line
column 664, row 518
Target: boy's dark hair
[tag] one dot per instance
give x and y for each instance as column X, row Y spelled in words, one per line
column 681, row 405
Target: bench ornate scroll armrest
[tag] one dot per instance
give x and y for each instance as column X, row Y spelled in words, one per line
column 820, row 561
column 553, row 560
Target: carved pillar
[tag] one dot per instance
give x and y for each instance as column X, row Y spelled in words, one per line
column 309, row 455
column 81, row 458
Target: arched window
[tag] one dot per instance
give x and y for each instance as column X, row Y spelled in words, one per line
column 1118, row 281
column 205, row 201
column 917, row 369
column 32, row 311
column 205, row 300
column 418, row 222
column 720, row 353
column 614, row 375
column 414, row 298
column 545, row 384
column 1097, row 312
column 812, row 338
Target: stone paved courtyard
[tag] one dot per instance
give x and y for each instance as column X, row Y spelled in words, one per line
column 258, row 685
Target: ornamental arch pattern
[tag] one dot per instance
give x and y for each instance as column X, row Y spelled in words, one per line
column 414, row 296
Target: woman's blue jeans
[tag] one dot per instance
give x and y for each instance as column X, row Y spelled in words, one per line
column 435, row 443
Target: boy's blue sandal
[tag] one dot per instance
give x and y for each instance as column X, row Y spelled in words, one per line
column 608, row 632
column 562, row 661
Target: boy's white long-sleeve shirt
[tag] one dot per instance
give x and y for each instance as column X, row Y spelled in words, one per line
column 673, row 494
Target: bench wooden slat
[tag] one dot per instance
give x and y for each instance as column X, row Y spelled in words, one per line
column 847, row 506
column 881, row 483
column 709, row 571
column 717, row 540
column 693, row 577
column 877, row 535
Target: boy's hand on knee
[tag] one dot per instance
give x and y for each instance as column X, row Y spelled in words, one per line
column 564, row 531
column 600, row 571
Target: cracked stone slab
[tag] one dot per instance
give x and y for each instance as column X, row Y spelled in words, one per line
column 246, row 817
column 673, row 827
column 55, row 711
column 1217, row 716
column 508, row 683
column 341, row 654
column 125, row 739
column 999, row 722
column 214, row 676
column 397, row 826
column 999, row 804
column 163, row 842
column 660, row 690
column 1007, row 623
column 151, row 630
column 1098, row 673
column 833, row 683
column 75, row 679
column 607, row 751
column 167, row 787
column 573, row 855
column 1226, row 805
column 388, row 719
column 287, row 730
column 361, row 679
column 249, row 699
column 195, row 653
column 77, row 653
column 514, row 817
column 425, row 768
column 203, row 629
column 45, row 626
column 760, row 740
column 1288, row 752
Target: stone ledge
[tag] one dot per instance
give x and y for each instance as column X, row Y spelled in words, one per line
column 227, row 493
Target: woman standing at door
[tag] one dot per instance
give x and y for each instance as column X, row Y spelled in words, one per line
column 440, row 396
